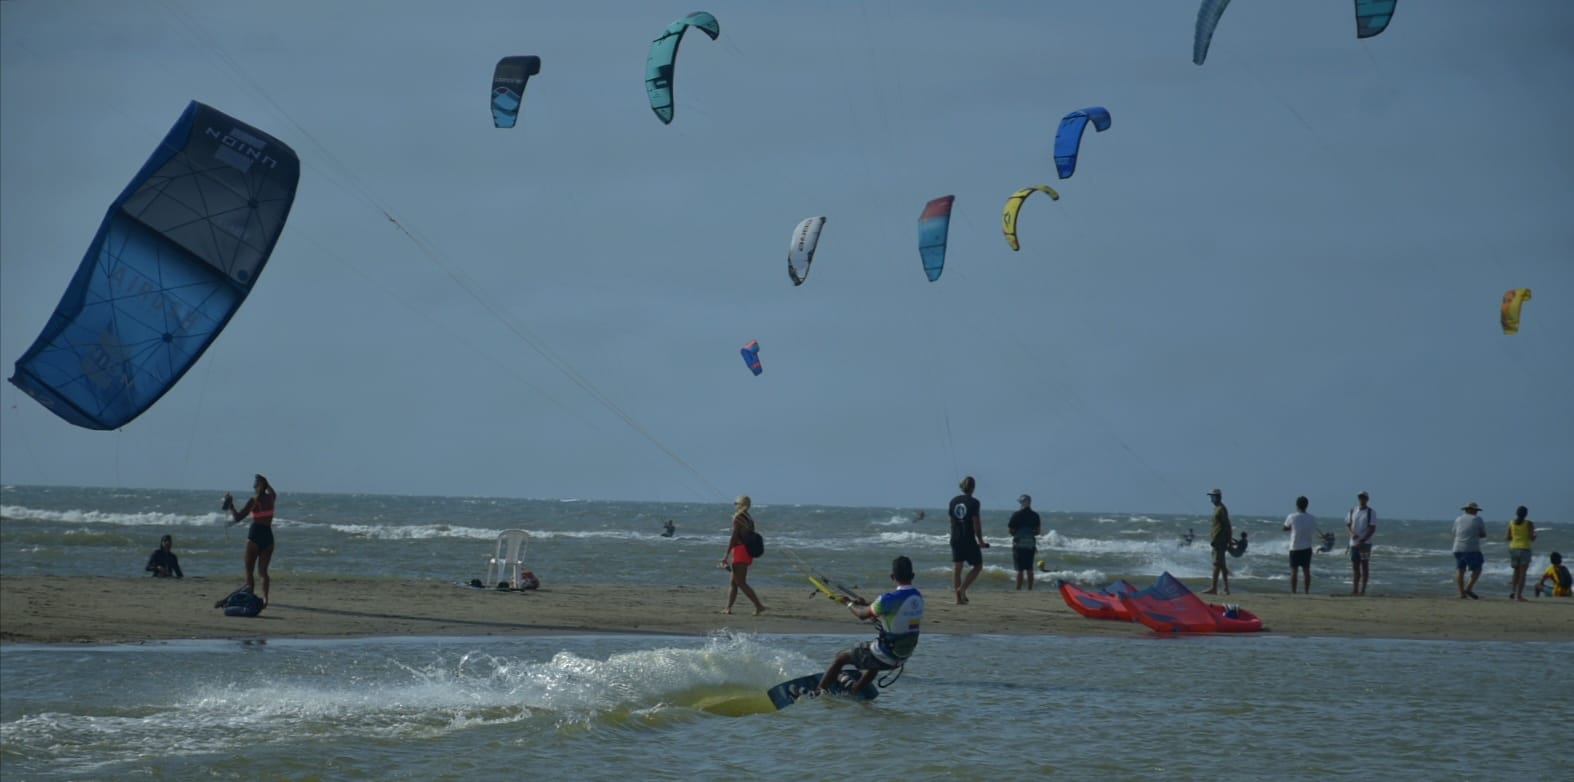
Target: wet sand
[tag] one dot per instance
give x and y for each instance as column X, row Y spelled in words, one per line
column 39, row 609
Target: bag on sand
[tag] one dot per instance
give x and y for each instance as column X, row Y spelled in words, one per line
column 241, row 602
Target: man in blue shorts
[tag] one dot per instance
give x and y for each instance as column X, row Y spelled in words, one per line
column 1469, row 529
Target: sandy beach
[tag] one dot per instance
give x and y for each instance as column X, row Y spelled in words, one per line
column 36, row 609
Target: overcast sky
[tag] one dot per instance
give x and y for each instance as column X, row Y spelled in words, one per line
column 1278, row 273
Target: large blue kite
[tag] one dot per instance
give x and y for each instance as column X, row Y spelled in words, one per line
column 174, row 258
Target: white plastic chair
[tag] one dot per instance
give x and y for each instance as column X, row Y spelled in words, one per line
column 510, row 553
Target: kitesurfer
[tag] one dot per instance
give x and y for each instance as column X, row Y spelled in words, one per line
column 259, row 537
column 1187, row 539
column 668, row 528
column 898, row 614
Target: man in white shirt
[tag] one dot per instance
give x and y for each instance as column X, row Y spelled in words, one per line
column 1469, row 529
column 1361, row 522
column 1302, row 527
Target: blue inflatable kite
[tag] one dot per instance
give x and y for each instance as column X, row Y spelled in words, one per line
column 1068, row 139
column 174, row 258
column 934, row 225
column 751, row 357
column 508, row 88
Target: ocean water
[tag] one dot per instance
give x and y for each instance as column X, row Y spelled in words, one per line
column 653, row 707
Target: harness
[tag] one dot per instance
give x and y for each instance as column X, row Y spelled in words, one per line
column 889, row 677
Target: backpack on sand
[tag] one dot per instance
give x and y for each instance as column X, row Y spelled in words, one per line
column 241, row 602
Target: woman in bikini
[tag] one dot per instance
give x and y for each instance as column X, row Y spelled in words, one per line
column 259, row 538
column 738, row 557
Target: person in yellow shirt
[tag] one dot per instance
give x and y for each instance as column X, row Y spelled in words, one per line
column 1562, row 581
column 1521, row 531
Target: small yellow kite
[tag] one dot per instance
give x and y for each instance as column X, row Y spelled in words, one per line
column 1513, row 299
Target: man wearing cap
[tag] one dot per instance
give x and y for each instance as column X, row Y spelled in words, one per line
column 1024, row 527
column 1219, row 539
column 1469, row 529
column 1361, row 522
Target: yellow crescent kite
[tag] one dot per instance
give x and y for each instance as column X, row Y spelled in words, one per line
column 1512, row 300
column 1008, row 218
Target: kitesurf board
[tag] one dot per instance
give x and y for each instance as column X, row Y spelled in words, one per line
column 789, row 692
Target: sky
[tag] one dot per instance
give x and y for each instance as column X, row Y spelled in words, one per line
column 1277, row 273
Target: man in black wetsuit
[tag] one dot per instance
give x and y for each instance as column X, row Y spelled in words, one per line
column 163, row 563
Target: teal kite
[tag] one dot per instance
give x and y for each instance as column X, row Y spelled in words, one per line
column 664, row 56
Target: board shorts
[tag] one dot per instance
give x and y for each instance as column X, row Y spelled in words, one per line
column 864, row 659
column 1218, row 557
column 966, row 550
column 1468, row 559
column 262, row 535
column 740, row 555
column 1361, row 553
column 1022, row 557
column 1301, row 558
column 1519, row 557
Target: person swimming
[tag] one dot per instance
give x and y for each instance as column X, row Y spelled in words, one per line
column 668, row 528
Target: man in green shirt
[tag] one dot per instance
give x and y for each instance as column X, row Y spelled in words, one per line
column 1219, row 539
